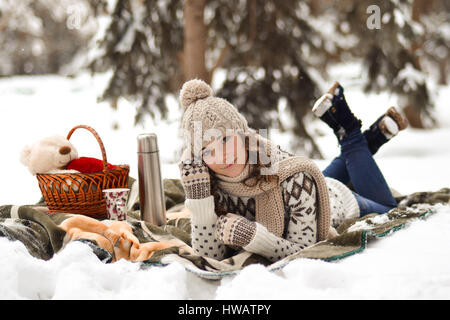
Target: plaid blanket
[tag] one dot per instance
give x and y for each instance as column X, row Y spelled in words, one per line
column 45, row 234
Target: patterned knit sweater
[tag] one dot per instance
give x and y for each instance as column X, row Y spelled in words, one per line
column 300, row 227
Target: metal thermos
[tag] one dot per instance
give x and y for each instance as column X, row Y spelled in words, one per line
column 151, row 193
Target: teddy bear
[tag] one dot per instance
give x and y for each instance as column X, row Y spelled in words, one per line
column 49, row 155
column 55, row 155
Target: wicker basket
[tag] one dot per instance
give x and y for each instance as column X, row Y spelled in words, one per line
column 81, row 193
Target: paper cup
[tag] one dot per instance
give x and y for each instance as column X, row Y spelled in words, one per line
column 116, row 203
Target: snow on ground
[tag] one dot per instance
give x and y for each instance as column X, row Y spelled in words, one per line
column 411, row 264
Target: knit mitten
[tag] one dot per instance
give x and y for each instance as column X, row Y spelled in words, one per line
column 195, row 177
column 203, row 224
column 268, row 245
column 235, row 230
column 238, row 231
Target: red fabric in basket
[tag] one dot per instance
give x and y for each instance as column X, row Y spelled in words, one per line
column 88, row 165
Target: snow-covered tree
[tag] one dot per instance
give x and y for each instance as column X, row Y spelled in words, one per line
column 391, row 42
column 42, row 36
column 267, row 50
column 434, row 45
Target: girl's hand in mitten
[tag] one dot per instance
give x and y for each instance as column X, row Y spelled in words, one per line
column 195, row 177
column 235, row 230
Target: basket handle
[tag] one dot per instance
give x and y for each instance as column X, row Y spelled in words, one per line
column 102, row 147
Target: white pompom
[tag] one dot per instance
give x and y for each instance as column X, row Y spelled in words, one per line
column 194, row 90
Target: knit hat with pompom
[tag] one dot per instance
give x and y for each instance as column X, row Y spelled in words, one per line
column 201, row 107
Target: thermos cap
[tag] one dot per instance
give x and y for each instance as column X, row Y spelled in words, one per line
column 147, row 142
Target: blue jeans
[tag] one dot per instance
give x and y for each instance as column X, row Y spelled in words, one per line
column 355, row 164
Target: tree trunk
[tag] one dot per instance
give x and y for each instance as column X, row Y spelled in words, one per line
column 421, row 7
column 195, row 41
column 443, row 72
column 413, row 116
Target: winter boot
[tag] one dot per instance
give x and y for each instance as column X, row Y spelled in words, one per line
column 334, row 111
column 385, row 128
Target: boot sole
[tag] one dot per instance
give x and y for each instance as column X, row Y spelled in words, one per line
column 388, row 127
column 324, row 102
column 401, row 121
column 333, row 88
column 322, row 105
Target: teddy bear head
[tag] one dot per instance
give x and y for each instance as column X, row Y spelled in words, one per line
column 48, row 155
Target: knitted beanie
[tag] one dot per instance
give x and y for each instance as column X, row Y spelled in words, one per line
column 203, row 111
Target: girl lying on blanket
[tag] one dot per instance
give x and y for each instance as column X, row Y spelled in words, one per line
column 243, row 191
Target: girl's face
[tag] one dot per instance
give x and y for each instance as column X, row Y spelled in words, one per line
column 226, row 155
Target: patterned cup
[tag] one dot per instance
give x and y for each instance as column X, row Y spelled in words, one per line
column 116, row 203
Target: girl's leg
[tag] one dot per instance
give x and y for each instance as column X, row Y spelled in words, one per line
column 332, row 108
column 337, row 170
column 363, row 171
column 385, row 128
column 367, row 206
column 381, row 131
column 355, row 163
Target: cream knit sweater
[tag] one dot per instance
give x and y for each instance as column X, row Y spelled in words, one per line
column 299, row 198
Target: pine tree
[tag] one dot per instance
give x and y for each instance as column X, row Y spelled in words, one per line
column 266, row 50
column 392, row 50
column 42, row 36
column 434, row 45
column 143, row 46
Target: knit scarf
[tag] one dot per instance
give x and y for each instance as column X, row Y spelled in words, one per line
column 268, row 195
